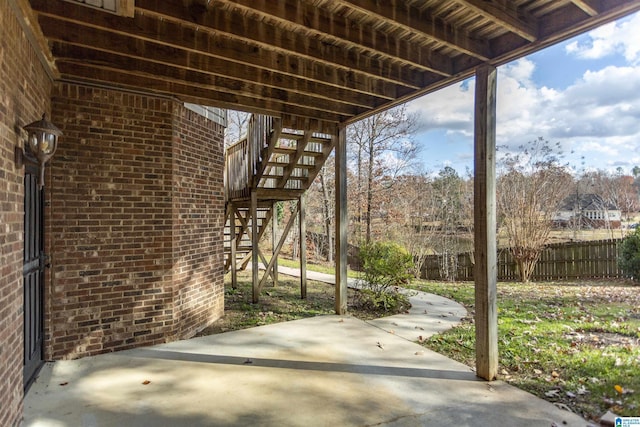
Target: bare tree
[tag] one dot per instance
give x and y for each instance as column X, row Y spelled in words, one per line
column 237, row 122
column 381, row 146
column 449, row 212
column 409, row 216
column 530, row 189
column 321, row 207
column 327, row 184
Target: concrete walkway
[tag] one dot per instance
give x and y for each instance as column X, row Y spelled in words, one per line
column 429, row 314
column 322, row 371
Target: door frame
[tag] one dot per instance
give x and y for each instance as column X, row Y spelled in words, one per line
column 34, row 263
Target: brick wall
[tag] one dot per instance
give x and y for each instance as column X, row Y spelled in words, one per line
column 24, row 96
column 123, row 200
column 198, row 215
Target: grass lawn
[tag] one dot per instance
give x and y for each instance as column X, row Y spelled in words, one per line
column 574, row 344
column 327, row 269
column 278, row 304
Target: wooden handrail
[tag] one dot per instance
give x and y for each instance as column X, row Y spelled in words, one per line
column 243, row 157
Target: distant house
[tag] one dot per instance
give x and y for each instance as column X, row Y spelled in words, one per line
column 587, row 211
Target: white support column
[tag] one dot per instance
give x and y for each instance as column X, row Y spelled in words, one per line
column 341, row 219
column 254, row 247
column 486, row 321
column 302, row 200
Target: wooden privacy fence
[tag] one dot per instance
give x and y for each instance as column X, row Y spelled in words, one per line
column 560, row 261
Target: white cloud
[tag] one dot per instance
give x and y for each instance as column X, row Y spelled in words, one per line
column 620, row 37
column 450, row 108
column 597, row 117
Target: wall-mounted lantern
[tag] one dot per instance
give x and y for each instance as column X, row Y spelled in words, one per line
column 40, row 145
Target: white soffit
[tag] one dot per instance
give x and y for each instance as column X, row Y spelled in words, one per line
column 119, row 7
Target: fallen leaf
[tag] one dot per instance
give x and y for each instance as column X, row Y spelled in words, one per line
column 554, row 374
column 571, row 395
column 618, row 388
column 64, row 383
column 537, row 371
column 146, row 382
column 552, row 393
column 419, row 353
column 582, row 390
column 562, row 406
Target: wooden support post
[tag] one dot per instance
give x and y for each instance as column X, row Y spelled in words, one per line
column 341, row 219
column 302, row 228
column 264, row 262
column 232, row 254
column 486, row 320
column 274, row 239
column 254, row 246
column 283, row 237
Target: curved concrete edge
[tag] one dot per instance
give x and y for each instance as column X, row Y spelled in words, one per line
column 430, row 314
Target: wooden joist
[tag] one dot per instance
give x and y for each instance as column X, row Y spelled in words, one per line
column 335, row 61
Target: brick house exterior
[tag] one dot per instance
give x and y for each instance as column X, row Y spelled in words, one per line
column 25, row 92
column 133, row 218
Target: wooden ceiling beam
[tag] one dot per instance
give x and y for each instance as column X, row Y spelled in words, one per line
column 561, row 24
column 501, row 14
column 248, row 33
column 310, row 20
column 569, row 21
column 171, row 73
column 167, row 34
column 590, row 7
column 413, row 20
column 92, row 73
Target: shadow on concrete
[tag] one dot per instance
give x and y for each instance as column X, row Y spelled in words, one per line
column 309, row 366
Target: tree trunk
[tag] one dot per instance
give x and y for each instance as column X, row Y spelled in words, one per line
column 369, row 189
column 327, row 217
column 359, row 192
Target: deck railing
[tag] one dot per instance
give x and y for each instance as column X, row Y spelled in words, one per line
column 243, row 157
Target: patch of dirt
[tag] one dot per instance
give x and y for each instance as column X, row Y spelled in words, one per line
column 602, row 340
column 281, row 303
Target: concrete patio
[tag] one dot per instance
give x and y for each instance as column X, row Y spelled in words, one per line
column 322, row 371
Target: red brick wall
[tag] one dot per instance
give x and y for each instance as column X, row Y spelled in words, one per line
column 123, row 267
column 24, row 96
column 198, row 217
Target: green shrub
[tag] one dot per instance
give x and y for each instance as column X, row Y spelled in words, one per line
column 391, row 301
column 629, row 258
column 385, row 267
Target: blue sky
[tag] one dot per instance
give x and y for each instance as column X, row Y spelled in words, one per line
column 583, row 93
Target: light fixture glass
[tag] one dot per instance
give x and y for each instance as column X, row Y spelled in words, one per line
column 42, row 142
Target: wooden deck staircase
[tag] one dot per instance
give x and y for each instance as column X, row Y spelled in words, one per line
column 270, row 164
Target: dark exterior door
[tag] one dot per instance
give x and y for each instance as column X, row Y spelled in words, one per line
column 33, row 272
